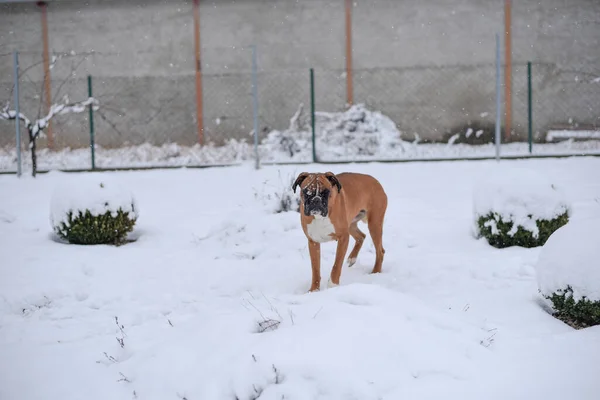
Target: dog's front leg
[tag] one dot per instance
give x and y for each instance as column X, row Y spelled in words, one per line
column 314, row 249
column 340, row 253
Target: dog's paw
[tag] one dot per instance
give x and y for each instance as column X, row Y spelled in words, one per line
column 351, row 261
column 331, row 284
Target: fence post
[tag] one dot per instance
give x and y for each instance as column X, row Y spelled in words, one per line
column 255, row 104
column 47, row 78
column 349, row 71
column 312, row 114
column 497, row 138
column 17, row 110
column 529, row 108
column 508, row 95
column 198, row 70
column 92, row 138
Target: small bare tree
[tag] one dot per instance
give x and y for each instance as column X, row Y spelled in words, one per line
column 35, row 129
column 35, row 126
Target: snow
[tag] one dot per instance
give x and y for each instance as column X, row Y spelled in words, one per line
column 570, row 258
column 517, row 194
column 97, row 194
column 453, row 138
column 236, row 152
column 572, row 134
column 211, row 300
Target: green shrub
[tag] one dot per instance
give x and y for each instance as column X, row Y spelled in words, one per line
column 85, row 228
column 578, row 314
column 496, row 231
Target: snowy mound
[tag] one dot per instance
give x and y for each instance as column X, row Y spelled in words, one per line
column 570, row 258
column 78, row 204
column 511, row 201
column 568, row 273
column 356, row 132
column 294, row 141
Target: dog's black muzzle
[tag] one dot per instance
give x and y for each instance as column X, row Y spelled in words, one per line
column 316, row 205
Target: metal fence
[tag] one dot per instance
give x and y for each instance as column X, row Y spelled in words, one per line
column 152, row 120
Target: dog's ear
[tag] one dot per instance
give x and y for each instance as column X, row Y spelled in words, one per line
column 299, row 180
column 334, row 180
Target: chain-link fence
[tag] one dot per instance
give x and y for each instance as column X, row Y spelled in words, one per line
column 432, row 103
column 152, row 117
column 152, row 120
column 561, row 99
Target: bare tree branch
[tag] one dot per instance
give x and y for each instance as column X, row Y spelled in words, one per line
column 64, row 81
column 36, row 128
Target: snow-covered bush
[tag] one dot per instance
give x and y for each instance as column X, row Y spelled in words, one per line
column 568, row 273
column 287, row 201
column 93, row 211
column 279, row 197
column 518, row 207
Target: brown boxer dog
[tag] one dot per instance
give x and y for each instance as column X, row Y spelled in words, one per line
column 330, row 208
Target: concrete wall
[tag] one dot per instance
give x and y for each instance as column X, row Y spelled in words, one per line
column 429, row 65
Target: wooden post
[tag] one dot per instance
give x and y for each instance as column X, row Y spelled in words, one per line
column 198, row 67
column 507, row 71
column 46, row 60
column 349, row 87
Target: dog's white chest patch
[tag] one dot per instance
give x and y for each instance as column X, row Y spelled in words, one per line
column 320, row 229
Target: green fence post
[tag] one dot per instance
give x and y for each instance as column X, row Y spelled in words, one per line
column 92, row 139
column 529, row 107
column 312, row 114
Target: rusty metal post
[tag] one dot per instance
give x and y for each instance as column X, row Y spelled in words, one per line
column 255, row 104
column 498, row 99
column 349, row 83
column 507, row 71
column 46, row 58
column 17, row 111
column 198, row 67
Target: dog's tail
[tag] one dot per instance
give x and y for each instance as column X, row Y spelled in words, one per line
column 361, row 216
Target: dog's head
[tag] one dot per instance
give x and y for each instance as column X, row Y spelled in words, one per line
column 316, row 191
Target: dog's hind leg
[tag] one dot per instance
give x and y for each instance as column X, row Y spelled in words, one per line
column 375, row 218
column 359, row 238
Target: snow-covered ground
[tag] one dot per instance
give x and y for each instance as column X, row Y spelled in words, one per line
column 234, row 152
column 209, row 302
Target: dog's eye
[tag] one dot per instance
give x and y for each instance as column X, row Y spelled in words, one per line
column 307, row 192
